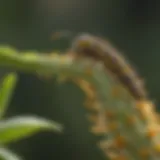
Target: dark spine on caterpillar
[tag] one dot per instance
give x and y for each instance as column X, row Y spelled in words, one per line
column 101, row 50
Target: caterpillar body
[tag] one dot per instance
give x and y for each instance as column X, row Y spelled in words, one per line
column 101, row 50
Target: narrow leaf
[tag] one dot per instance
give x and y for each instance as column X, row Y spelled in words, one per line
column 17, row 128
column 6, row 91
column 5, row 154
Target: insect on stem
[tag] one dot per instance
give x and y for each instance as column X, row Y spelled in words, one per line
column 101, row 50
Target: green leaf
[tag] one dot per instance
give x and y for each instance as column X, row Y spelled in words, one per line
column 8, row 155
column 6, row 91
column 17, row 128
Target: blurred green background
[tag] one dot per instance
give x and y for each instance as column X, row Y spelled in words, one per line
column 131, row 25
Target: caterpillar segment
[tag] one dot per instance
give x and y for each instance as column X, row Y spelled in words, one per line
column 101, row 50
column 93, row 105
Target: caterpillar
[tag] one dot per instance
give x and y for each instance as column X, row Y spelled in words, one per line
column 124, row 135
column 101, row 50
